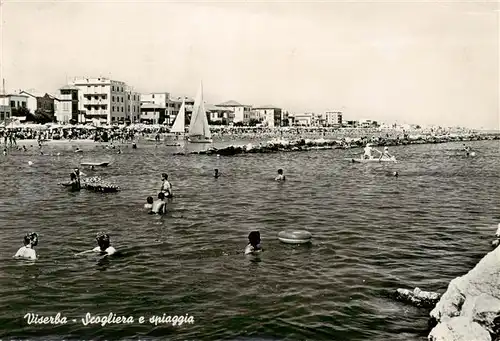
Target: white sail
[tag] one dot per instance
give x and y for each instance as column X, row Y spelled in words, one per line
column 199, row 122
column 179, row 126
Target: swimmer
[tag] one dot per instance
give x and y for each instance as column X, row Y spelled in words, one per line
column 166, row 186
column 75, row 184
column 253, row 243
column 216, row 173
column 149, row 204
column 159, row 206
column 28, row 251
column 5, row 151
column 467, row 150
column 104, row 246
column 396, row 174
column 134, row 146
column 280, row 176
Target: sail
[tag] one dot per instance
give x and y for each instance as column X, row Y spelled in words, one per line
column 179, row 126
column 199, row 122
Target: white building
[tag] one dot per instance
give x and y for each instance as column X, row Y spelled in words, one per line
column 333, row 118
column 269, row 115
column 31, row 100
column 5, row 111
column 241, row 112
column 101, row 99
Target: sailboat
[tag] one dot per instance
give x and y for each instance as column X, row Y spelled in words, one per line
column 199, row 131
column 179, row 125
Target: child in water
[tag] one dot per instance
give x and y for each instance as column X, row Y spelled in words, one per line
column 27, row 251
column 149, row 204
column 253, row 243
column 104, row 246
column 280, row 176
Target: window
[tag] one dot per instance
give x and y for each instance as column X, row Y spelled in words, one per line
column 113, row 88
column 153, row 95
column 113, row 118
column 122, row 109
column 113, row 98
column 12, row 104
column 112, row 109
column 129, row 97
column 23, row 104
column 129, row 108
column 122, row 99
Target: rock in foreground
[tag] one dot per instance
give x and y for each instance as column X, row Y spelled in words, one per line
column 469, row 308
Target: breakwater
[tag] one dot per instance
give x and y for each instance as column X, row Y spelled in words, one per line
column 277, row 145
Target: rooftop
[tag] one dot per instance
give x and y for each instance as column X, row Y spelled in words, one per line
column 231, row 103
column 268, row 106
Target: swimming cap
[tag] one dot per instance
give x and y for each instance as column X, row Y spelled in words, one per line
column 31, row 238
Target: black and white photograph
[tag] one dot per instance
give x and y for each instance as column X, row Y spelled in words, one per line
column 249, row 170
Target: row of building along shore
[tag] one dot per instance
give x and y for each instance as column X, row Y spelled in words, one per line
column 105, row 101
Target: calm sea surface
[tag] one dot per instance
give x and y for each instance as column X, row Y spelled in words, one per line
column 372, row 233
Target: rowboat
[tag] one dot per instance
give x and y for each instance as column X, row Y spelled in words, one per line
column 392, row 159
column 96, row 164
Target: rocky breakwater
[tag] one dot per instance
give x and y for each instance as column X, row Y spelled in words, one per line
column 469, row 310
column 309, row 144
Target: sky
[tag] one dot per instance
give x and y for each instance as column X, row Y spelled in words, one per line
column 423, row 62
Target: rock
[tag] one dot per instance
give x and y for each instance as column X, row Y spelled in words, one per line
column 483, row 309
column 459, row 329
column 418, row 297
column 474, row 297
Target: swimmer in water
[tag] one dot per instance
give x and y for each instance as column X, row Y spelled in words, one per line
column 253, row 243
column 216, row 173
column 134, row 146
column 28, row 251
column 104, row 245
column 280, row 176
column 5, row 151
column 149, row 204
column 159, row 206
column 467, row 150
column 75, row 184
column 166, row 186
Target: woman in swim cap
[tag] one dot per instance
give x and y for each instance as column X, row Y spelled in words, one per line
column 104, row 245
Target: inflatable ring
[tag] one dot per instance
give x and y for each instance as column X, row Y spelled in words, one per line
column 295, row 237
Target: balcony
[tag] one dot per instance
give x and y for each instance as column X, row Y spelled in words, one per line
column 97, row 113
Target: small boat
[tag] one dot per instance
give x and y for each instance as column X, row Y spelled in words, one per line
column 392, row 159
column 97, row 164
column 199, row 130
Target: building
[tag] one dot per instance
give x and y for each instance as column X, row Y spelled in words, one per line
column 241, row 112
column 31, row 100
column 153, row 107
column 218, row 115
column 269, row 115
column 5, row 112
column 305, row 119
column 173, row 107
column 333, row 118
column 101, row 99
column 133, row 105
column 66, row 105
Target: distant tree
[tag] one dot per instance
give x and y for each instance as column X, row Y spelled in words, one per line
column 21, row 112
column 42, row 117
column 253, row 122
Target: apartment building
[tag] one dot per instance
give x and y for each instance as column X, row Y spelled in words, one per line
column 101, row 99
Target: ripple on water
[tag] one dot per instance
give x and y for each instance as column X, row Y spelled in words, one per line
column 371, row 233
